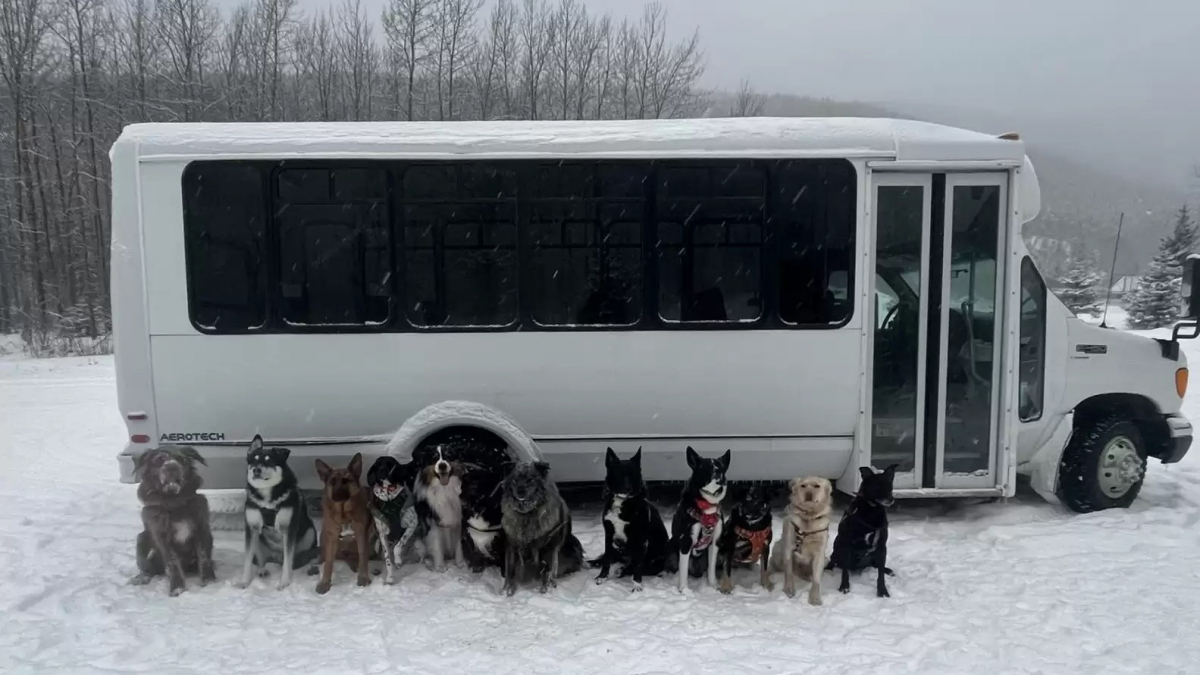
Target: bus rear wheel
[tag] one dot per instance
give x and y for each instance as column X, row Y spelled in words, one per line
column 1103, row 466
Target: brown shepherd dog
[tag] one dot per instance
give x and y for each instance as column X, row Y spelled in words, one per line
column 345, row 522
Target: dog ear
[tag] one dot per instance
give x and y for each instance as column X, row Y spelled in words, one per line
column 282, row 453
column 725, row 459
column 542, row 468
column 636, row 460
column 323, row 470
column 139, row 464
column 611, row 459
column 256, row 444
column 866, row 472
column 891, row 469
column 793, row 484
column 692, row 458
column 190, row 453
column 355, row 468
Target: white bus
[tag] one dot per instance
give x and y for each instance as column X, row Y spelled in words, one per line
column 816, row 294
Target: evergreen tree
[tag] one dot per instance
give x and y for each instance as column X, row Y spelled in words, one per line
column 1155, row 301
column 1079, row 285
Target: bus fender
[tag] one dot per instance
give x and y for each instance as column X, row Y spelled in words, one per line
column 1043, row 467
column 439, row 416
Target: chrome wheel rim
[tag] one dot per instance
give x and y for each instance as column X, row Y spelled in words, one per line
column 1121, row 467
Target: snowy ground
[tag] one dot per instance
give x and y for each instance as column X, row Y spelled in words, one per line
column 1022, row 587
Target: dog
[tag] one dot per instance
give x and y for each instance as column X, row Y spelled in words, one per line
column 537, row 528
column 438, row 493
column 346, row 525
column 278, row 528
column 747, row 538
column 801, row 548
column 483, row 534
column 393, row 512
column 697, row 523
column 862, row 535
column 176, row 537
column 634, row 534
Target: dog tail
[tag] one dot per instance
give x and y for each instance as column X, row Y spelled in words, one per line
column 570, row 557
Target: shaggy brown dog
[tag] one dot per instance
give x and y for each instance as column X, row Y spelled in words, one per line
column 176, row 538
column 346, row 525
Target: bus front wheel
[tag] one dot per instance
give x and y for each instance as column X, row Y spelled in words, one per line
column 1103, row 466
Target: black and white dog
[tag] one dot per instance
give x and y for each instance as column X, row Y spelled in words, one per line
column 697, row 523
column 634, row 534
column 438, row 493
column 483, row 534
column 278, row 528
column 862, row 534
column 395, row 514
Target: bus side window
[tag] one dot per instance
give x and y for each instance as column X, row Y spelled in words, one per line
column 812, row 222
column 225, row 234
column 1033, row 343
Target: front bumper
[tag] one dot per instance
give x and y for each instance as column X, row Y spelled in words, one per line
column 1180, row 441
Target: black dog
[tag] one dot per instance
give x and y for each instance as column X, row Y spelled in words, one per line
column 697, row 524
column 393, row 511
column 483, row 534
column 863, row 533
column 747, row 538
column 634, row 534
column 278, row 528
column 537, row 528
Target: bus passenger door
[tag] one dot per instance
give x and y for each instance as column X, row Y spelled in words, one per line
column 935, row 356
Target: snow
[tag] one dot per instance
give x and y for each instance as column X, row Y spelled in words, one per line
column 1022, row 587
column 465, row 413
column 709, row 137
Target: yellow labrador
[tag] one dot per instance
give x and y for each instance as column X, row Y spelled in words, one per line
column 805, row 535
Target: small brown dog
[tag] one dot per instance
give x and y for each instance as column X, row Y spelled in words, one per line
column 176, row 537
column 801, row 549
column 345, row 522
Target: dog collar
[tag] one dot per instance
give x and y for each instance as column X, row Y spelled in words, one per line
column 485, row 529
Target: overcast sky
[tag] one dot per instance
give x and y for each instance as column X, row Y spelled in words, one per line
column 1082, row 75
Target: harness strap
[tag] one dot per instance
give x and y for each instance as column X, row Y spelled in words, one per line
column 800, row 534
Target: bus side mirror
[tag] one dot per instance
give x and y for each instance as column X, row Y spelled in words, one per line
column 1189, row 289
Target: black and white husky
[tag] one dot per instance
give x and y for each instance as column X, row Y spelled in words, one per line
column 278, row 528
column 438, row 493
column 698, row 523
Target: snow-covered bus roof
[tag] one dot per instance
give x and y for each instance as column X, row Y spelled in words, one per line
column 758, row 137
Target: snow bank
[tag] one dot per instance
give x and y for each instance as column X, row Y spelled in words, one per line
column 461, row 413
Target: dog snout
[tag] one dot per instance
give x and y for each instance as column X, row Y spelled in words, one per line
column 171, row 488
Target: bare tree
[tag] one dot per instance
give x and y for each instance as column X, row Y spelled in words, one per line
column 747, row 102
column 409, row 27
column 536, row 38
column 455, row 40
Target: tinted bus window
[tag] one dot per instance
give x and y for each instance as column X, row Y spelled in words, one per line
column 225, row 233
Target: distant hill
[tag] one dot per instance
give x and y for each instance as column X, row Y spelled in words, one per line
column 1079, row 203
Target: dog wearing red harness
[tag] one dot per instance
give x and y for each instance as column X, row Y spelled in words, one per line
column 747, row 538
column 698, row 523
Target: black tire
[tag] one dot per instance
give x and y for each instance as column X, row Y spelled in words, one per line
column 1079, row 484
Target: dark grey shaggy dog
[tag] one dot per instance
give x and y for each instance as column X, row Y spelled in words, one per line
column 537, row 528
column 176, row 538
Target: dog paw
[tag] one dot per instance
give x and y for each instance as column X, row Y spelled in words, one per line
column 789, row 591
column 883, row 593
column 282, row 585
column 510, row 590
column 389, row 581
column 177, row 590
column 139, row 580
column 843, row 589
column 814, row 600
column 637, row 587
column 888, row 571
column 364, row 580
column 323, row 587
column 600, row 581
column 314, row 571
column 769, row 585
column 264, row 573
column 726, row 585
column 241, row 584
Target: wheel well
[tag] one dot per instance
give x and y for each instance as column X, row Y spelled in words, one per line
column 1137, row 409
column 484, row 437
